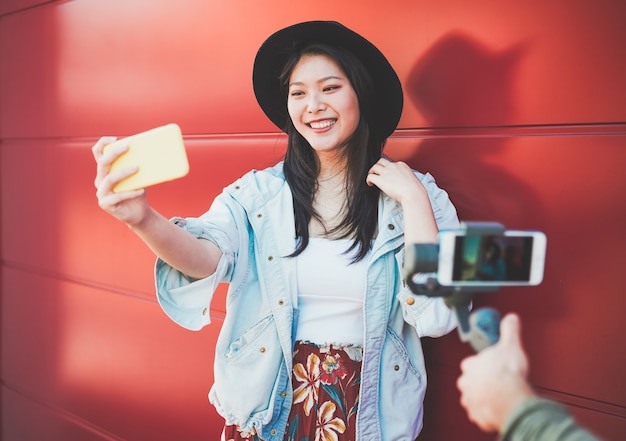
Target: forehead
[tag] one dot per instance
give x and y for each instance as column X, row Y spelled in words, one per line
column 314, row 67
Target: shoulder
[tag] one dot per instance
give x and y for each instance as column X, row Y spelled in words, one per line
column 443, row 208
column 273, row 175
column 258, row 186
column 259, row 179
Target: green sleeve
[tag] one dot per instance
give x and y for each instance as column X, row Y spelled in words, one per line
column 539, row 419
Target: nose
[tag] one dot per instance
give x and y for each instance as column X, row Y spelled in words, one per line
column 315, row 103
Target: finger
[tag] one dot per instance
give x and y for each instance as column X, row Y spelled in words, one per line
column 107, row 183
column 375, row 169
column 98, row 147
column 106, row 195
column 111, row 202
column 372, row 179
column 467, row 362
column 111, row 154
column 460, row 384
column 379, row 166
column 510, row 330
column 105, row 160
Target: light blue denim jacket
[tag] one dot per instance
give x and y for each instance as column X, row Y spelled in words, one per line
column 252, row 222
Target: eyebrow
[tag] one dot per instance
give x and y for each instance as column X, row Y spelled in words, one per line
column 321, row 80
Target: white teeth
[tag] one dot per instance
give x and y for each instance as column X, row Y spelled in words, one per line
column 321, row 124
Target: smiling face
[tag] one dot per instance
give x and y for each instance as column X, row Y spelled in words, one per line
column 321, row 102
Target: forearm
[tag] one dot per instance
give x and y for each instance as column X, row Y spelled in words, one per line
column 194, row 257
column 539, row 419
column 419, row 222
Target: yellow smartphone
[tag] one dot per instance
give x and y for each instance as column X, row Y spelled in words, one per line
column 158, row 153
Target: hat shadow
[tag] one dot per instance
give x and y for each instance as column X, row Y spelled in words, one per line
column 460, row 82
column 466, row 92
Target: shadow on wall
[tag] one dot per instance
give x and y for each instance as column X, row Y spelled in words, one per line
column 466, row 92
column 461, row 83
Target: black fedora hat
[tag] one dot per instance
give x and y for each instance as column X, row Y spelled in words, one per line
column 276, row 50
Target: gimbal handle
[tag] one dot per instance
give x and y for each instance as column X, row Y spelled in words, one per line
column 480, row 328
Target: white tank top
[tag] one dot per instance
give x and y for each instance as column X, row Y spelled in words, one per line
column 331, row 293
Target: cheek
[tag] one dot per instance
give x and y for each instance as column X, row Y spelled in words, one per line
column 356, row 116
column 292, row 111
column 353, row 110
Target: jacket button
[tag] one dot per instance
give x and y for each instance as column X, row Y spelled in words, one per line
column 281, row 302
column 270, row 258
column 204, row 311
column 260, row 215
column 396, row 368
column 273, row 431
column 237, row 187
column 262, row 350
column 391, row 227
column 410, row 301
column 283, row 394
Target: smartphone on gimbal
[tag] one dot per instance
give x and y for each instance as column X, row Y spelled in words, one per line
column 513, row 258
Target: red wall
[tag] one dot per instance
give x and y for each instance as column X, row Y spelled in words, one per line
column 517, row 108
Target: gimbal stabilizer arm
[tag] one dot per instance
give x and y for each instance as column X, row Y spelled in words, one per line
column 480, row 328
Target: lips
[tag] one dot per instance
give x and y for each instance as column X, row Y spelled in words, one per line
column 321, row 124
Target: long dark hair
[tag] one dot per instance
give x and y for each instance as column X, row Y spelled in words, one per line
column 361, row 150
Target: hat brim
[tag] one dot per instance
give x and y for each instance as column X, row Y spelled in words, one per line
column 276, row 50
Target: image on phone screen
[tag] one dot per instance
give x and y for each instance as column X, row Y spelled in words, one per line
column 494, row 258
column 514, row 257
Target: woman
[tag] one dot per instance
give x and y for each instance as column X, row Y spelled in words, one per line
column 321, row 338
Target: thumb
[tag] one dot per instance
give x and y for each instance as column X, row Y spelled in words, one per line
column 510, row 330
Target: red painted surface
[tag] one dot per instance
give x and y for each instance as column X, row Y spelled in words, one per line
column 516, row 108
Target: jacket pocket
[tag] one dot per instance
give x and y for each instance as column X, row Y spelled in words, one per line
column 396, row 357
column 246, row 376
column 254, row 343
column 400, row 377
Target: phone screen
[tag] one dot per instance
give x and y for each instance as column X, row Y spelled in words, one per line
column 492, row 258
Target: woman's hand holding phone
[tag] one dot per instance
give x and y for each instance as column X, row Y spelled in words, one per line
column 130, row 206
column 127, row 166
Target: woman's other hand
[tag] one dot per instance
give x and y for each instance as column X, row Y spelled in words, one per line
column 398, row 181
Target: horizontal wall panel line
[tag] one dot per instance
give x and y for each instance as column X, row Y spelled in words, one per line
column 67, row 416
column 139, row 295
column 583, row 402
column 88, row 141
column 6, row 11
column 617, row 129
column 604, row 129
column 144, row 296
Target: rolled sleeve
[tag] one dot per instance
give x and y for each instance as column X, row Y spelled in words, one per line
column 429, row 315
column 443, row 209
column 185, row 300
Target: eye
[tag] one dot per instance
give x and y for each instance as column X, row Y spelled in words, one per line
column 331, row 88
column 296, row 93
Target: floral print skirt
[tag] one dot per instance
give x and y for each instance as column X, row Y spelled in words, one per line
column 326, row 381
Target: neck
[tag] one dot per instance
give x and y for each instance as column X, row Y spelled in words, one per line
column 329, row 200
column 332, row 167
